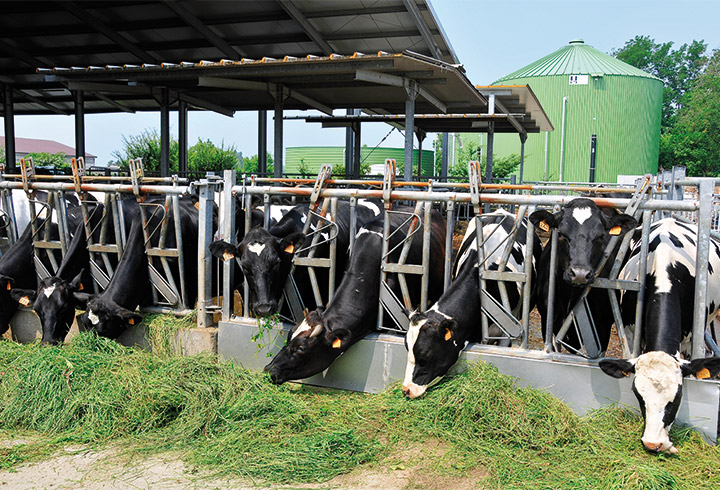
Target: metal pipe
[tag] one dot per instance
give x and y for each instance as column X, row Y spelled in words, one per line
column 384, row 260
column 278, row 156
column 353, row 223
column 528, row 286
column 227, row 231
column 705, row 193
column 333, row 252
column 562, row 140
column 9, row 119
column 204, row 262
column 122, row 188
column 450, row 225
column 164, row 132
column 545, row 172
column 426, row 256
column 79, row 102
column 262, row 142
column 182, row 136
column 639, row 307
column 550, row 313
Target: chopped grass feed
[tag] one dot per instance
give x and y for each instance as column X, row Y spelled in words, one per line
column 225, row 419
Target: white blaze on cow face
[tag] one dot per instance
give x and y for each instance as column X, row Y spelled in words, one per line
column 303, row 327
column 48, row 291
column 658, row 379
column 411, row 389
column 256, row 248
column 94, row 319
column 582, row 214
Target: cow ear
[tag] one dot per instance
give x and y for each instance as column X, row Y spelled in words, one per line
column 76, row 284
column 81, row 299
column 25, row 297
column 701, row 368
column 291, row 243
column 448, row 329
column 544, row 219
column 621, row 224
column 131, row 318
column 617, row 368
column 338, row 339
column 223, row 250
column 6, row 283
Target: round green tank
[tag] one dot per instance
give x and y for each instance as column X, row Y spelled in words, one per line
column 603, row 96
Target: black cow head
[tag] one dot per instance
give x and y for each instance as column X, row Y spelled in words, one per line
column 433, row 347
column 584, row 231
column 311, row 348
column 658, row 388
column 54, row 303
column 107, row 318
column 265, row 261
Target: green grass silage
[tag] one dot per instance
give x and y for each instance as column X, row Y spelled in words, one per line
column 223, row 418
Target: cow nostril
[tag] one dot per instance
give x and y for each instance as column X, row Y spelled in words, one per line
column 652, row 446
column 406, row 391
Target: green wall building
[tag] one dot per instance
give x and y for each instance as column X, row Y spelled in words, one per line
column 598, row 95
column 311, row 157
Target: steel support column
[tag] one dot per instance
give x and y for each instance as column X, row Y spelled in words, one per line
column 204, row 263
column 9, row 112
column 164, row 133
column 523, row 139
column 262, row 142
column 79, row 99
column 278, row 156
column 349, row 147
column 182, row 136
column 420, row 137
column 409, row 129
column 445, row 153
column 489, row 158
column 356, row 151
column 704, row 219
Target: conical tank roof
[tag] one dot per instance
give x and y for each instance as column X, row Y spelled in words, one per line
column 577, row 58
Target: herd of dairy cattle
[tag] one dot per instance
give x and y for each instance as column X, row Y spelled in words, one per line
column 434, row 338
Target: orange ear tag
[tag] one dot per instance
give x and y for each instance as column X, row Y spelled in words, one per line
column 615, row 230
column 81, row 287
column 25, row 301
column 9, row 287
column 703, row 374
column 290, row 248
column 131, row 321
column 228, row 256
column 337, row 343
column 197, row 205
column 448, row 334
column 544, row 226
column 626, row 373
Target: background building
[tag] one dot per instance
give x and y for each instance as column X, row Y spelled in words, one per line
column 25, row 146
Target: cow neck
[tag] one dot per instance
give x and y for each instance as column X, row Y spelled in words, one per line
column 130, row 283
column 76, row 258
column 292, row 222
column 461, row 301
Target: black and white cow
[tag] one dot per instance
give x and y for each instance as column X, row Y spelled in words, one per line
column 265, row 256
column 667, row 325
column 111, row 312
column 317, row 341
column 436, row 337
column 584, row 232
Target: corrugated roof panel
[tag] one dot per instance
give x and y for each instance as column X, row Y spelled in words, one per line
column 575, row 59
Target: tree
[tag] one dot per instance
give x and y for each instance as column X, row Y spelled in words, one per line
column 338, row 169
column 695, row 139
column 678, row 69
column 205, row 156
column 250, row 165
column 145, row 145
column 56, row 160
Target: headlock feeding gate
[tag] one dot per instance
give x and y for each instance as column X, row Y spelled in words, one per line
column 379, row 359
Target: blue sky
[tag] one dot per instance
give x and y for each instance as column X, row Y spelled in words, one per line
column 491, row 39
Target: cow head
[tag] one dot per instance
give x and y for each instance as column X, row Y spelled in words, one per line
column 107, row 318
column 658, row 388
column 433, row 347
column 54, row 303
column 265, row 261
column 584, row 231
column 311, row 348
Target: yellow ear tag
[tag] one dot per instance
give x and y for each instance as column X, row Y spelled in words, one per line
column 544, row 226
column 615, row 230
column 448, row 334
column 131, row 321
column 337, row 343
column 197, row 205
column 228, row 256
column 290, row 248
column 703, row 374
column 626, row 373
column 26, row 301
column 9, row 287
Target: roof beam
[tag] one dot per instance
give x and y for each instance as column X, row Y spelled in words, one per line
column 414, row 12
column 298, row 17
column 22, row 55
column 37, row 100
column 202, row 103
column 352, row 12
column 372, row 35
column 112, row 102
column 515, row 124
column 385, row 79
column 217, row 41
column 109, row 32
column 113, row 88
column 230, row 83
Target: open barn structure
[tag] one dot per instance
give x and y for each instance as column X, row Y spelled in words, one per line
column 386, row 61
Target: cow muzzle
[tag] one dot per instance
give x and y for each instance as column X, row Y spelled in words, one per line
column 657, row 447
column 579, row 276
column 265, row 309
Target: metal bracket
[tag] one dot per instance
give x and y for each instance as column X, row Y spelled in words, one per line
column 324, row 174
column 388, row 181
column 474, row 180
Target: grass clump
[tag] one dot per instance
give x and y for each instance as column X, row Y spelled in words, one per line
column 225, row 419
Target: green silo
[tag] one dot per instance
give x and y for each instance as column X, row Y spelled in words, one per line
column 599, row 95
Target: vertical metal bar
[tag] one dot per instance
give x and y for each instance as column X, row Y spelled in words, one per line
column 227, row 232
column 450, row 225
column 266, row 211
column 10, row 211
column 164, row 132
column 705, row 192
column 182, row 136
column 349, row 147
column 357, row 149
column 278, row 156
column 204, row 263
column 489, row 158
column 427, row 228
column 409, row 130
column 248, row 226
column 480, row 241
column 179, row 245
column 384, row 260
column 444, row 157
column 262, row 142
column 353, row 223
column 9, row 113
column 523, row 139
column 640, row 306
column 79, row 99
column 333, row 252
column 63, row 231
column 528, row 286
column 549, row 322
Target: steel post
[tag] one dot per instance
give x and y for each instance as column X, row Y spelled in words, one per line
column 705, row 193
column 550, row 315
column 227, row 233
column 449, row 228
column 204, row 262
